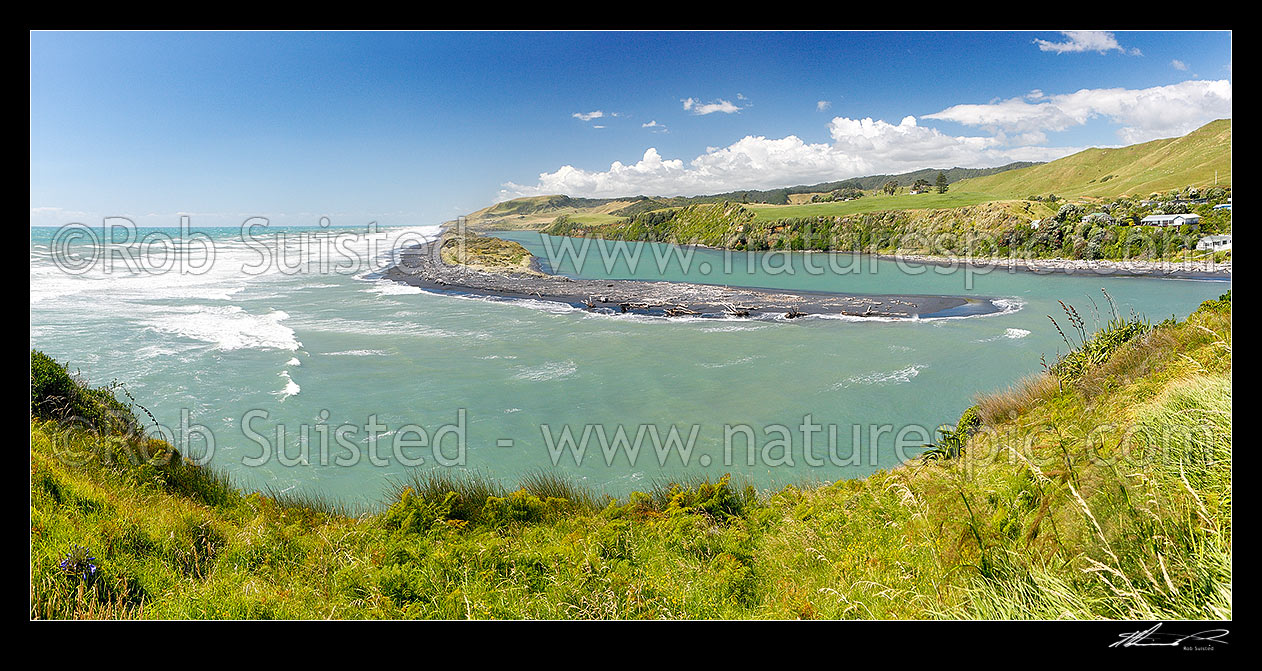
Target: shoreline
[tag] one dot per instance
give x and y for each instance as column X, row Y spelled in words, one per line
column 421, row 266
column 1188, row 270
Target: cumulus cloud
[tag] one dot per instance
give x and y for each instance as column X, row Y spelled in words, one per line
column 697, row 107
column 859, row 147
column 588, row 116
column 823, row 105
column 1078, row 41
column 1178, row 65
column 1145, row 114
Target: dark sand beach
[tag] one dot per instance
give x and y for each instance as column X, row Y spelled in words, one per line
column 423, row 267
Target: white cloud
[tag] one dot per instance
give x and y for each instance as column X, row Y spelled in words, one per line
column 697, row 107
column 859, row 147
column 651, row 124
column 1145, row 114
column 1178, row 65
column 822, row 105
column 588, row 116
column 1078, row 41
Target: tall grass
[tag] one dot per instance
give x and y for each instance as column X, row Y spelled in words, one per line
column 472, row 489
column 546, row 484
column 1153, row 530
column 317, row 502
column 1002, row 406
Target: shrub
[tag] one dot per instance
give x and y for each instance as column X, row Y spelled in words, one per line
column 1092, row 351
column 56, row 395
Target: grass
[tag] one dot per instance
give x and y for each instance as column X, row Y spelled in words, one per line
column 1106, row 494
column 1201, row 158
column 870, row 203
column 486, row 253
column 1000, row 406
column 533, row 213
column 594, row 218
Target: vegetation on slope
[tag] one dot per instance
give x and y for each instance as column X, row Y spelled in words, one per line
column 534, row 212
column 486, row 253
column 1033, row 229
column 1100, row 490
column 736, row 226
column 872, row 203
column 1201, row 158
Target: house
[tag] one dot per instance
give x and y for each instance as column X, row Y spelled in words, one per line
column 1216, row 243
column 1171, row 220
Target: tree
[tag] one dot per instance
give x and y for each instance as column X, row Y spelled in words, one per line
column 942, row 182
column 890, row 188
column 921, row 185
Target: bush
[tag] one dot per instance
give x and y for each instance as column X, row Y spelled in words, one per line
column 56, row 395
column 716, row 500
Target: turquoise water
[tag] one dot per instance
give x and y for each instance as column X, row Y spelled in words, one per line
column 333, row 348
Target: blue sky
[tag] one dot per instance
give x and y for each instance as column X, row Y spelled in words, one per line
column 416, row 128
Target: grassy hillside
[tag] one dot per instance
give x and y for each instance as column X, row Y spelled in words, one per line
column 1101, row 489
column 1137, row 170
column 961, row 224
column 851, row 225
column 871, row 203
column 535, row 212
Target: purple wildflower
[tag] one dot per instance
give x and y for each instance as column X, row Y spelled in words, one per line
column 79, row 562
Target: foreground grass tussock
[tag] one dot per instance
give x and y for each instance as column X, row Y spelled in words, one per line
column 1105, row 493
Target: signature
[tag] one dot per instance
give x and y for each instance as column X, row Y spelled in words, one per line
column 1153, row 638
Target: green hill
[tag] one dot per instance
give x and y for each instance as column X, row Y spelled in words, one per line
column 534, row 212
column 1201, row 158
column 1137, row 170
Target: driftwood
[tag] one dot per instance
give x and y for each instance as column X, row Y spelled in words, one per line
column 680, row 311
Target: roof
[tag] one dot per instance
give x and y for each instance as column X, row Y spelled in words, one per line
column 1216, row 238
column 1170, row 217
